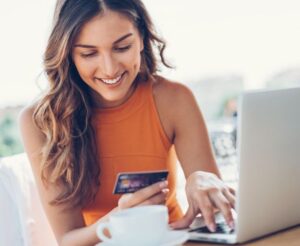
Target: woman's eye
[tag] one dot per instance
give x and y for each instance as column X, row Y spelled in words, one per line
column 85, row 55
column 121, row 49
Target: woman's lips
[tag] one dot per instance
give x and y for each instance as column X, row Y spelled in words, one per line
column 112, row 82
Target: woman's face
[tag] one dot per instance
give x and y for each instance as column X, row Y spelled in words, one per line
column 107, row 55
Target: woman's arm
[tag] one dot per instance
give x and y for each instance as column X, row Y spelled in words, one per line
column 68, row 224
column 191, row 139
column 185, row 126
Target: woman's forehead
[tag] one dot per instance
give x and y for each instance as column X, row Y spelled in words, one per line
column 106, row 27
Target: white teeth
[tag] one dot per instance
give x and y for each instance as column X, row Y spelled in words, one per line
column 112, row 81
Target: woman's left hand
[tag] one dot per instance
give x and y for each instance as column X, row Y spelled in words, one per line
column 205, row 193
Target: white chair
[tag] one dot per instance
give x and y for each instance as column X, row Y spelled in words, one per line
column 22, row 219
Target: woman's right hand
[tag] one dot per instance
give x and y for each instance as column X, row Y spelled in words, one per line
column 151, row 195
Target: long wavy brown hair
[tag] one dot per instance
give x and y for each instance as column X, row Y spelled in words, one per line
column 63, row 114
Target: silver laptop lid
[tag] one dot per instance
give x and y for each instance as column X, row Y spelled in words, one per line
column 269, row 159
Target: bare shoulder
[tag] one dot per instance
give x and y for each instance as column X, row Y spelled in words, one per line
column 173, row 102
column 32, row 137
column 172, row 95
column 169, row 88
column 25, row 118
column 26, row 114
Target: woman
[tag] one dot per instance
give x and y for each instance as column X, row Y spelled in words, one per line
column 107, row 111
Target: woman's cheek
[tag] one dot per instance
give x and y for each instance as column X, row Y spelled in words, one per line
column 87, row 69
column 133, row 57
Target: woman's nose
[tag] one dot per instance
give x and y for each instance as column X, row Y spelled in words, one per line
column 108, row 67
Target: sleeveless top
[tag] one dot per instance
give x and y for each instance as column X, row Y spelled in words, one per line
column 130, row 138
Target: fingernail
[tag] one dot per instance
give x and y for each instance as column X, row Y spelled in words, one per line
column 163, row 184
column 212, row 227
column 231, row 224
column 165, row 191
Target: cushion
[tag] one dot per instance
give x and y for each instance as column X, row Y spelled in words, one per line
column 23, row 221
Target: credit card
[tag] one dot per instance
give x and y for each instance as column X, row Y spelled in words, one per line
column 130, row 182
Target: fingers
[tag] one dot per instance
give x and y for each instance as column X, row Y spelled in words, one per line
column 207, row 210
column 159, row 198
column 206, row 203
column 142, row 195
column 225, row 206
column 206, row 193
column 146, row 193
column 230, row 197
column 185, row 221
column 125, row 201
column 232, row 191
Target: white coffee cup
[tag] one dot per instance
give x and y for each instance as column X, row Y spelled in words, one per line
column 144, row 225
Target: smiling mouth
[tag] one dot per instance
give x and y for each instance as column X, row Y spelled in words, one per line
column 112, row 81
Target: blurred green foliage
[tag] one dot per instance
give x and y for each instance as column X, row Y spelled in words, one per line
column 10, row 141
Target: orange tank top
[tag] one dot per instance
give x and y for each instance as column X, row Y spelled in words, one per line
column 130, row 138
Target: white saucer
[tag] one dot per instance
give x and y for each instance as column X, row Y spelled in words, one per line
column 175, row 238
column 172, row 238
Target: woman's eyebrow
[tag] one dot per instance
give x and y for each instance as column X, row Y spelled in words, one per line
column 115, row 42
column 123, row 37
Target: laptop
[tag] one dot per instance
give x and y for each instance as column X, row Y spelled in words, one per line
column 268, row 142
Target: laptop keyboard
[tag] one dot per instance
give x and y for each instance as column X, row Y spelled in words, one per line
column 221, row 227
